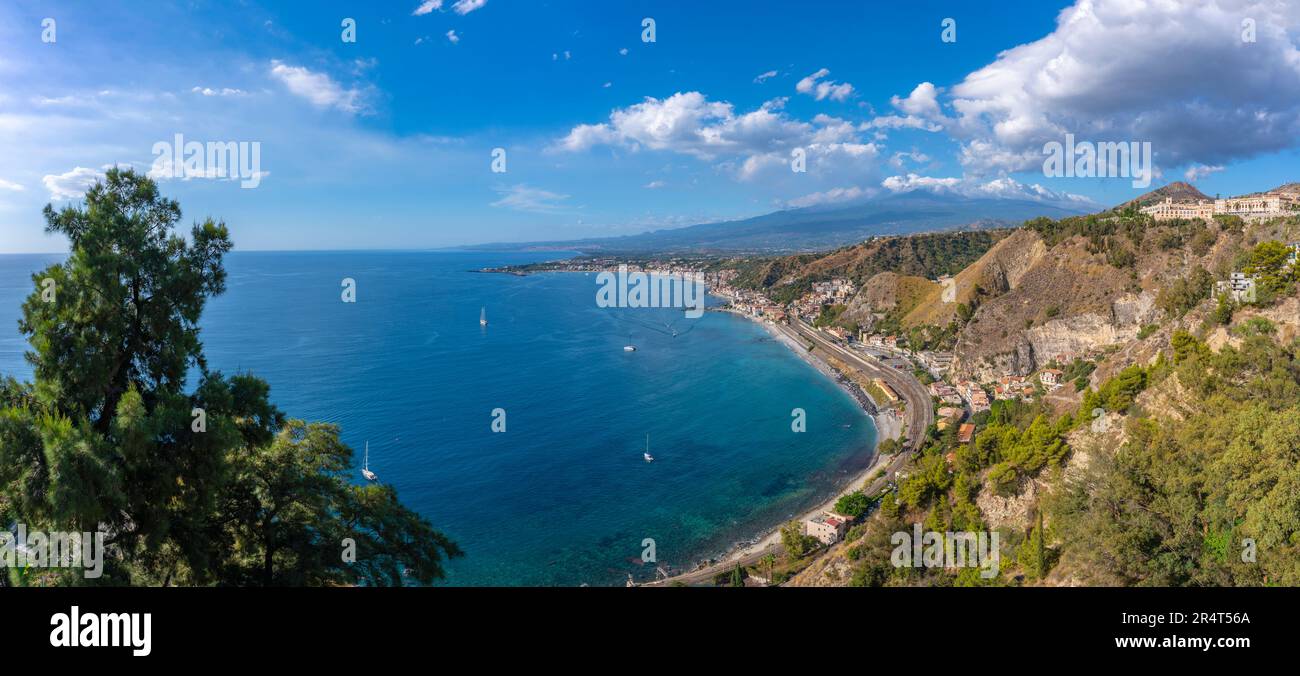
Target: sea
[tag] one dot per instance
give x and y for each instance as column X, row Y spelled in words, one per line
column 563, row 496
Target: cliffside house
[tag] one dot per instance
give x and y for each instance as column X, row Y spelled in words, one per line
column 1239, row 286
column 1050, row 378
column 827, row 527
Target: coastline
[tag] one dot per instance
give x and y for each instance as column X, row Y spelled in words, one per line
column 887, row 427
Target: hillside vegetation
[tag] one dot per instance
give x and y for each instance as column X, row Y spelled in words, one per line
column 1171, row 454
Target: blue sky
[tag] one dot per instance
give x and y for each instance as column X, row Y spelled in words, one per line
column 387, row 142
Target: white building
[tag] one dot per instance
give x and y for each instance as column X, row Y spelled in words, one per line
column 826, row 527
column 1239, row 287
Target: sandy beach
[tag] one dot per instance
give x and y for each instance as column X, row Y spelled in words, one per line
column 888, row 426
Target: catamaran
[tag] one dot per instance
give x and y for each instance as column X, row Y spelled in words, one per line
column 365, row 468
column 648, row 457
column 482, row 317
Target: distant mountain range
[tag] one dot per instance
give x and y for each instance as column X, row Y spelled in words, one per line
column 821, row 228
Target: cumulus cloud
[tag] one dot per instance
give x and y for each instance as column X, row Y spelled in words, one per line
column 11, row 186
column 814, row 86
column 1197, row 172
column 765, row 76
column 73, row 184
column 318, row 88
column 532, row 200
column 452, row 37
column 747, row 144
column 463, row 7
column 1177, row 74
column 920, row 110
column 426, row 7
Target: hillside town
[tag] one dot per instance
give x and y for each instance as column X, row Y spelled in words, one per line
column 1283, row 201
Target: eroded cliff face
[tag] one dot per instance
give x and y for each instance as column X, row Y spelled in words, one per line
column 1066, row 303
column 1021, row 352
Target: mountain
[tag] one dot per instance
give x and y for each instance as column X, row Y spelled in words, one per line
column 821, row 228
column 1178, row 190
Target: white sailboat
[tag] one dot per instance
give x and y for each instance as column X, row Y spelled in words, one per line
column 648, row 457
column 482, row 317
column 629, row 347
column 365, row 468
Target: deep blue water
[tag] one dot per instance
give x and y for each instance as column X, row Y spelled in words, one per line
column 562, row 497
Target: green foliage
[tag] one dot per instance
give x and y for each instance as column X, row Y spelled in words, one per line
column 853, row 504
column 1034, row 557
column 889, row 505
column 1173, row 506
column 1267, row 262
column 928, row 479
column 888, row 447
column 1186, row 293
column 106, row 437
column 925, row 255
column 1256, row 326
column 830, row 315
column 797, row 544
column 1118, row 393
column 1223, row 310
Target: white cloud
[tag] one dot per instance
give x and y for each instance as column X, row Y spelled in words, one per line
column 832, row 196
column 914, row 156
column 623, row 51
column 652, row 185
column 72, row 184
column 904, row 122
column 452, row 37
column 224, row 91
column 999, row 188
column 765, row 76
column 829, row 89
column 1176, row 74
column 923, row 101
column 913, row 182
column 11, row 186
column 607, row 85
column 533, row 200
column 318, row 88
column 426, row 7
column 463, row 7
column 920, row 111
column 1197, row 172
column 748, row 144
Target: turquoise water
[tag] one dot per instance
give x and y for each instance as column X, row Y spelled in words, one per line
column 563, row 496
